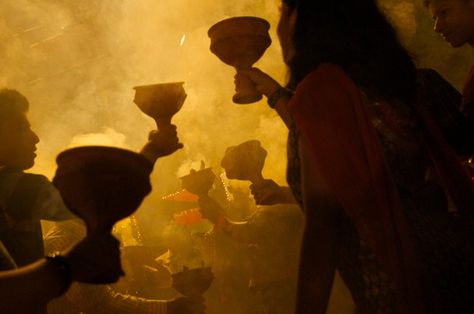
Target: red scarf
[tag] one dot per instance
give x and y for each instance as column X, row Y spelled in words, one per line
column 330, row 114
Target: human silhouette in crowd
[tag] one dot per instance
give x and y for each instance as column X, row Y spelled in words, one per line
column 272, row 233
column 90, row 299
column 360, row 146
column 454, row 21
column 27, row 198
column 27, row 289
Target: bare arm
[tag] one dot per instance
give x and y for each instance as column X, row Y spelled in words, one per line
column 93, row 260
column 320, row 241
column 267, row 86
column 282, row 110
column 23, row 290
column 161, row 143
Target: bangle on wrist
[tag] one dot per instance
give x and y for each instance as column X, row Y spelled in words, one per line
column 275, row 97
column 61, row 263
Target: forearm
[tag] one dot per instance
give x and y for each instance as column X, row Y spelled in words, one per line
column 25, row 289
column 150, row 154
column 281, row 108
column 320, row 241
column 317, row 269
column 288, row 196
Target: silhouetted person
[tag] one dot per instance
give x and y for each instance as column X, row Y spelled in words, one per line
column 105, row 299
column 27, row 289
column 454, row 21
column 272, row 234
column 359, row 150
column 25, row 198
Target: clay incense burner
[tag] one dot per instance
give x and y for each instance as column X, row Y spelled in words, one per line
column 102, row 185
column 160, row 101
column 199, row 182
column 240, row 42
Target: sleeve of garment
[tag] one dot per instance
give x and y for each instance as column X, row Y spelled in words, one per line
column 323, row 111
column 330, row 113
column 35, row 197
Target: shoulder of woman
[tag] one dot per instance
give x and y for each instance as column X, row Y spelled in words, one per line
column 326, row 74
column 326, row 84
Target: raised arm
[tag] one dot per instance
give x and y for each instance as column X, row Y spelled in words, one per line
column 278, row 96
column 161, row 143
column 25, row 289
column 93, row 260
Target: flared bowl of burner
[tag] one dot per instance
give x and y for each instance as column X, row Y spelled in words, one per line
column 102, row 185
column 240, row 41
column 160, row 101
column 198, row 182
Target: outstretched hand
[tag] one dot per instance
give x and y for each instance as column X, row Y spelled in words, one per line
column 96, row 259
column 162, row 143
column 270, row 193
column 264, row 83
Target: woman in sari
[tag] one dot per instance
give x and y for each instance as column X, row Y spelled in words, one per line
column 366, row 165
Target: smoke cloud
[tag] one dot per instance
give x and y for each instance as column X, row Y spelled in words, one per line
column 78, row 61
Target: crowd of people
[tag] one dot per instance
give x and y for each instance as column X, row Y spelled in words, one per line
column 380, row 188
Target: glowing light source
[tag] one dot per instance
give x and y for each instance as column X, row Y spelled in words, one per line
column 183, row 38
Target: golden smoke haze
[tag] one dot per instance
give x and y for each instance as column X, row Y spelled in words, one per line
column 77, row 62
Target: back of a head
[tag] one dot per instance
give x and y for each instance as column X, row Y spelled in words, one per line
column 11, row 103
column 355, row 35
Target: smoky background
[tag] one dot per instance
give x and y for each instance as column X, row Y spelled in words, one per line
column 77, row 61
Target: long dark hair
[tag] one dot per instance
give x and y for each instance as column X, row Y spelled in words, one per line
column 355, row 35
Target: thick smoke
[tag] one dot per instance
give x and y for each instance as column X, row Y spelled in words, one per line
column 78, row 61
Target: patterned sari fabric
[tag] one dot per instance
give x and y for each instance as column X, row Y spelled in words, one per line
column 444, row 254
